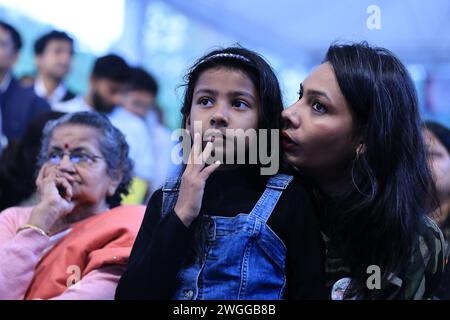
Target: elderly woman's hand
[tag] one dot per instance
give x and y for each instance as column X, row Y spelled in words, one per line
column 55, row 191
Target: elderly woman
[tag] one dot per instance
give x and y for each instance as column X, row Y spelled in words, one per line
column 75, row 242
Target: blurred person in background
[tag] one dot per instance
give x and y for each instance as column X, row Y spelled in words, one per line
column 53, row 57
column 18, row 105
column 27, row 80
column 150, row 145
column 162, row 141
column 18, row 165
column 138, row 97
column 437, row 138
column 107, row 81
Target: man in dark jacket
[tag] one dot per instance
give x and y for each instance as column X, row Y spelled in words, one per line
column 18, row 105
column 53, row 56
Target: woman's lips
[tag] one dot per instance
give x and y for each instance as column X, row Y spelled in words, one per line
column 286, row 142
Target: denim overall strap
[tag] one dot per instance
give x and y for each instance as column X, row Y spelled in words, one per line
column 170, row 191
column 170, row 195
column 274, row 188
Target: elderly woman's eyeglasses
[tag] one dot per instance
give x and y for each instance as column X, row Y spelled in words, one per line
column 77, row 158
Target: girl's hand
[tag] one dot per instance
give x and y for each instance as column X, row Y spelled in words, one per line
column 55, row 191
column 193, row 181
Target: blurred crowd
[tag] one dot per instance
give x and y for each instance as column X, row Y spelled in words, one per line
column 126, row 94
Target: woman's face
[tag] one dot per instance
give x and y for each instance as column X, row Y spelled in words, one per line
column 439, row 164
column 318, row 135
column 224, row 99
column 74, row 149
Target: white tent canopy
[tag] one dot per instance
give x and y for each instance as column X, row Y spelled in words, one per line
column 417, row 30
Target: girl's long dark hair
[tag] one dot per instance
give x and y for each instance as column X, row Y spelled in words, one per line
column 376, row 220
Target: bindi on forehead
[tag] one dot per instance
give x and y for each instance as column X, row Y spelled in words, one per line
column 66, row 146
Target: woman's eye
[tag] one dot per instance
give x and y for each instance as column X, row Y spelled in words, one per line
column 241, row 105
column 300, row 92
column 54, row 156
column 79, row 157
column 85, row 157
column 435, row 154
column 205, row 102
column 320, row 108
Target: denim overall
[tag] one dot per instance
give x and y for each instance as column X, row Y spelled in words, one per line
column 243, row 260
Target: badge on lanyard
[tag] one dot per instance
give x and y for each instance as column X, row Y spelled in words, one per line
column 338, row 290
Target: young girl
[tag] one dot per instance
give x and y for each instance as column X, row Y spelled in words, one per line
column 355, row 132
column 225, row 231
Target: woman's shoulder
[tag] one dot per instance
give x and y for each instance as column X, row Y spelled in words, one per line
column 430, row 240
column 127, row 217
column 116, row 228
column 429, row 255
column 296, row 189
column 295, row 203
column 430, row 245
column 127, row 211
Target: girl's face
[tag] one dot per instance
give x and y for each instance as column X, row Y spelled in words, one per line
column 223, row 99
column 439, row 164
column 318, row 136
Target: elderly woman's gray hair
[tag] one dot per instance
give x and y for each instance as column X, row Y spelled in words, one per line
column 113, row 147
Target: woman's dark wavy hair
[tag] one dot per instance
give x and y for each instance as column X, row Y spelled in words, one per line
column 113, row 147
column 376, row 221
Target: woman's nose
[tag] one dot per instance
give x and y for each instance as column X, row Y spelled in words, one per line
column 66, row 164
column 290, row 116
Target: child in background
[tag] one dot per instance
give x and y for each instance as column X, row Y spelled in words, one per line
column 149, row 148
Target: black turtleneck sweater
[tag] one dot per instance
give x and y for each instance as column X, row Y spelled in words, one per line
column 162, row 244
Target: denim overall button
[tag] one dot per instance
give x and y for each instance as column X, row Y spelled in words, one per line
column 188, row 294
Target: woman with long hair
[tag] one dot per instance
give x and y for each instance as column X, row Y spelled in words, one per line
column 355, row 134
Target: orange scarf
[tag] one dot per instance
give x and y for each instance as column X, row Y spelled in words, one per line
column 101, row 240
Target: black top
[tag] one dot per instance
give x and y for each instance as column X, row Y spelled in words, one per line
column 162, row 244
